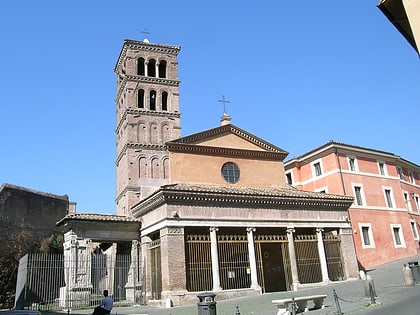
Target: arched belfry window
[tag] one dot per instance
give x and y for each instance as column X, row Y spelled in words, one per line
column 151, row 68
column 142, row 167
column 152, row 105
column 165, row 101
column 140, row 66
column 140, row 98
column 162, row 69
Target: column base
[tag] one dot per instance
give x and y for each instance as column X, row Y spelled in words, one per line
column 295, row 286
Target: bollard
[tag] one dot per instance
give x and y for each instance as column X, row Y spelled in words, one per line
column 237, row 310
column 372, row 294
column 337, row 303
column 293, row 307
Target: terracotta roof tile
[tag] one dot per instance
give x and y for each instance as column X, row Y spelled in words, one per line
column 96, row 217
column 257, row 191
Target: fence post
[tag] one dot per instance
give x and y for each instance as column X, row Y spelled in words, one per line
column 337, row 303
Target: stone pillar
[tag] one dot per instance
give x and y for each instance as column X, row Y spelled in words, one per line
column 145, row 252
column 146, row 68
column 215, row 259
column 133, row 285
column 351, row 269
column 252, row 260
column 322, row 257
column 77, row 272
column 157, row 70
column 174, row 274
column 293, row 261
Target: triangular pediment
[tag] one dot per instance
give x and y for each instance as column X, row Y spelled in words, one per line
column 226, row 137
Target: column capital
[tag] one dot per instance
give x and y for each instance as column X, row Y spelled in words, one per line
column 290, row 230
column 250, row 229
column 319, row 230
column 214, row 229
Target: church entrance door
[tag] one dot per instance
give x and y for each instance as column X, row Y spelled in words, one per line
column 273, row 271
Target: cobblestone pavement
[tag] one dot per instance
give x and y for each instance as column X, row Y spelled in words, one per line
column 387, row 279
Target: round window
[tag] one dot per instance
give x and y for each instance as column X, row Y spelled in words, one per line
column 230, row 172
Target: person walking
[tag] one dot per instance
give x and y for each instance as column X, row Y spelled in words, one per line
column 106, row 305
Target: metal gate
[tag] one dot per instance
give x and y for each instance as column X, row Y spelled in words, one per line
column 273, row 262
column 155, row 272
column 42, row 281
column 198, row 263
column 234, row 267
column 307, row 256
column 332, row 245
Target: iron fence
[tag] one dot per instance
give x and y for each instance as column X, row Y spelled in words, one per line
column 43, row 282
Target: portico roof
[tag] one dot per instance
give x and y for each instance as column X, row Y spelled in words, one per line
column 102, row 227
column 95, row 217
column 270, row 197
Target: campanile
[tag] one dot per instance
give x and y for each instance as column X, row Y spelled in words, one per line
column 147, row 107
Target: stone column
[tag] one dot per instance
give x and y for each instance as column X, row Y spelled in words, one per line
column 157, row 69
column 322, row 257
column 146, row 68
column 133, row 285
column 252, row 261
column 215, row 259
column 145, row 257
column 292, row 256
column 77, row 271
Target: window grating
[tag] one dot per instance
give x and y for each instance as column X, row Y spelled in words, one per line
column 230, row 172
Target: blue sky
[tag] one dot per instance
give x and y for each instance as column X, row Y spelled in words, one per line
column 297, row 74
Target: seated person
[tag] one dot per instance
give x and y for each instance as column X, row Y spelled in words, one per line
column 105, row 307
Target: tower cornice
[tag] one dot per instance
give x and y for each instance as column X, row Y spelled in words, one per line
column 145, row 112
column 137, row 45
column 139, row 146
column 143, row 79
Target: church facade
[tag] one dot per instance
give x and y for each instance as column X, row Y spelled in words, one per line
column 215, row 211
column 208, row 211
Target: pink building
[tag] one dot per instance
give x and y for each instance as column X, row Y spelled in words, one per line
column 385, row 214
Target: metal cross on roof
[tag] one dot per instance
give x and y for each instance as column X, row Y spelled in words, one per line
column 145, row 32
column 224, row 103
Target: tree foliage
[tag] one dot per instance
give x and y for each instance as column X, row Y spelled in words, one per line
column 16, row 242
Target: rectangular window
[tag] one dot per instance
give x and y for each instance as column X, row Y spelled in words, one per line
column 352, row 164
column 411, row 175
column 407, row 201
column 289, row 178
column 397, row 235
column 416, row 200
column 366, row 235
column 317, row 168
column 388, row 198
column 414, row 229
column 400, row 173
column 366, row 238
column 381, row 166
column 358, row 195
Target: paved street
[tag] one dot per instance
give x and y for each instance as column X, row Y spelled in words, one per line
column 393, row 297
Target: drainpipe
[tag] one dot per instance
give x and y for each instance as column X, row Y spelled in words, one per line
column 341, row 173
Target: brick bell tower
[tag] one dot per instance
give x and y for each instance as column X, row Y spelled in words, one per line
column 147, row 117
